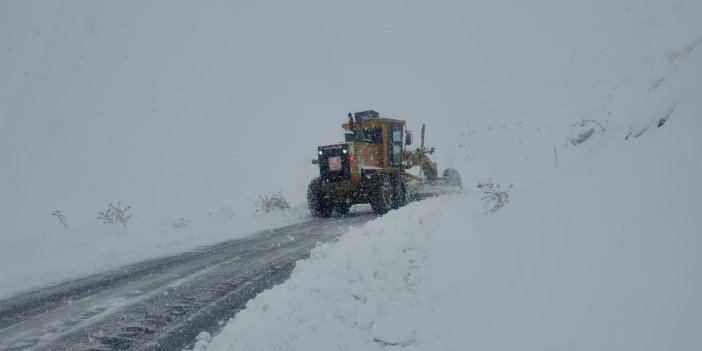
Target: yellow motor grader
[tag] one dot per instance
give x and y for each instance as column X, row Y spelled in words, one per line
column 371, row 166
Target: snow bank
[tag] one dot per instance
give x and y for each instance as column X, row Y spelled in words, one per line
column 352, row 294
column 599, row 254
column 606, row 259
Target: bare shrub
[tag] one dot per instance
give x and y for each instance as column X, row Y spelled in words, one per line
column 587, row 130
column 582, row 137
column 61, row 218
column 494, row 196
column 182, row 222
column 115, row 215
column 268, row 203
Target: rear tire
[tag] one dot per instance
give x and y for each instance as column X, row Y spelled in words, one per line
column 316, row 202
column 400, row 192
column 343, row 209
column 382, row 198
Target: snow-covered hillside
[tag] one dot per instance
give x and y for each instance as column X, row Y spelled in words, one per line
column 601, row 255
column 192, row 110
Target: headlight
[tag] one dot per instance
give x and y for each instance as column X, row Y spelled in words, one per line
column 320, row 152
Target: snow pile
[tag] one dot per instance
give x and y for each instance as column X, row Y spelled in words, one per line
column 607, row 259
column 359, row 293
column 602, row 253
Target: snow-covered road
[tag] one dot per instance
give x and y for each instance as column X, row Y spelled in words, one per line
column 161, row 303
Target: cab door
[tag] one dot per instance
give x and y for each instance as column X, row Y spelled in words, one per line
column 395, row 143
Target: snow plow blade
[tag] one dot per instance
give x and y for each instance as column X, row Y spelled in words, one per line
column 449, row 183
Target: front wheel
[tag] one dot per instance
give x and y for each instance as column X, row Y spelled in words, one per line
column 452, row 178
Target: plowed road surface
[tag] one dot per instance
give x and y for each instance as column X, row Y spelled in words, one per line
column 164, row 303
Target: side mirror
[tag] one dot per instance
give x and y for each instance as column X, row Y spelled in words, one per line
column 408, row 138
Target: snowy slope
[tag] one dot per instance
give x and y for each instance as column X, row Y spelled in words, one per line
column 601, row 255
column 179, row 109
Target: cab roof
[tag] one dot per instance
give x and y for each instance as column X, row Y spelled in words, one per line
column 373, row 123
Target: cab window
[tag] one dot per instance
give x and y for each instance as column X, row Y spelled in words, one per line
column 374, row 135
column 396, row 145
